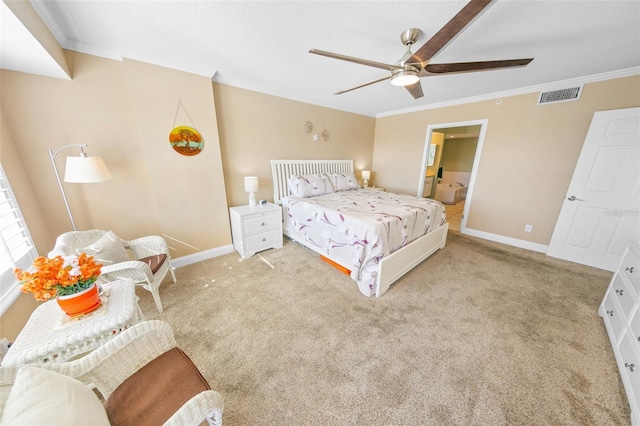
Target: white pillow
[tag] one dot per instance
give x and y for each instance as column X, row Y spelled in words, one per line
column 344, row 181
column 310, row 185
column 107, row 250
column 43, row 397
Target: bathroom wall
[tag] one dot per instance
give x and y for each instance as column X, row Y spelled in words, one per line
column 458, row 154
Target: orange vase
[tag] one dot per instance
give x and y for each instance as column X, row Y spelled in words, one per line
column 80, row 303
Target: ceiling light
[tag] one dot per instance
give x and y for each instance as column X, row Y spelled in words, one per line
column 405, row 78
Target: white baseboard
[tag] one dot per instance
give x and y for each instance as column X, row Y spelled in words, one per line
column 200, row 256
column 528, row 245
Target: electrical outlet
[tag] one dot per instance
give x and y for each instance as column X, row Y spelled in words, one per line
column 528, row 228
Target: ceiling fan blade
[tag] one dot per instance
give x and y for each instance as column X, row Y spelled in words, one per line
column 474, row 66
column 450, row 30
column 363, row 85
column 387, row 67
column 415, row 89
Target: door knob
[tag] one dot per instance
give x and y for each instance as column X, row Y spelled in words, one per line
column 574, row 198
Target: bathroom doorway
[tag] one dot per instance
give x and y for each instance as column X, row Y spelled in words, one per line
column 454, row 169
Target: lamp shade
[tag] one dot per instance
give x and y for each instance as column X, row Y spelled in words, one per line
column 86, row 170
column 251, row 184
column 366, row 174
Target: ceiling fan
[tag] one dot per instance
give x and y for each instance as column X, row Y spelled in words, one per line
column 408, row 70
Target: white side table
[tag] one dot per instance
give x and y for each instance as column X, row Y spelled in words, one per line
column 49, row 336
column 256, row 228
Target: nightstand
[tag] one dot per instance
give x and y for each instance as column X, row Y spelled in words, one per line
column 256, row 228
column 373, row 188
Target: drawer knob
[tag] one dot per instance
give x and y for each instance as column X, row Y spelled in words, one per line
column 610, row 313
column 262, row 224
column 620, row 292
column 630, row 269
column 629, row 366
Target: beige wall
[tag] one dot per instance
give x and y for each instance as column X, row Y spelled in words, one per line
column 124, row 111
column 527, row 160
column 189, row 198
column 256, row 128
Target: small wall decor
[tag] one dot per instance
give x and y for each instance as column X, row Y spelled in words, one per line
column 185, row 140
column 325, row 135
column 308, row 126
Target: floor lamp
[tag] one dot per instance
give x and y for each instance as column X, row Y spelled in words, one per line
column 80, row 169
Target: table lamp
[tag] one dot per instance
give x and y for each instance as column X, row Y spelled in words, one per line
column 366, row 175
column 251, row 185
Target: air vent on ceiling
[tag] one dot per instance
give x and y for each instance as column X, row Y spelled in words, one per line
column 562, row 95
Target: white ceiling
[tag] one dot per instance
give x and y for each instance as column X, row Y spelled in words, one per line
column 263, row 45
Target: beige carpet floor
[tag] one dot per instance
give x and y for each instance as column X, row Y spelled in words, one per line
column 478, row 334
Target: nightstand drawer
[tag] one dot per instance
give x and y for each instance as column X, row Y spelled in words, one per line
column 266, row 239
column 261, row 223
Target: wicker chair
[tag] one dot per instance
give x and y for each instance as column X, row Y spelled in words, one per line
column 148, row 255
column 119, row 362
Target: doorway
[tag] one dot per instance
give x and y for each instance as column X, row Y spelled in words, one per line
column 462, row 166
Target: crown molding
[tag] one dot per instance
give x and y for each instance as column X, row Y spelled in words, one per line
column 628, row 72
column 283, row 94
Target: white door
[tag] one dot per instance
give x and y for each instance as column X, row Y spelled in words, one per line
column 601, row 211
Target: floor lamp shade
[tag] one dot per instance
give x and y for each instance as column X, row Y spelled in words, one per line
column 86, row 170
column 81, row 169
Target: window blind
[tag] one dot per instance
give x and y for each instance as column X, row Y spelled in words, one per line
column 16, row 246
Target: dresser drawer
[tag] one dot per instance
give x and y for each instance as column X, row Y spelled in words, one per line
column 613, row 316
column 624, row 295
column 266, row 239
column 630, row 266
column 635, row 327
column 630, row 360
column 260, row 223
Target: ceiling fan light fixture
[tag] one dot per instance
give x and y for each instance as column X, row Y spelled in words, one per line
column 405, row 78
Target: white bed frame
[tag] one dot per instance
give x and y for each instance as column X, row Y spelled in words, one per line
column 391, row 267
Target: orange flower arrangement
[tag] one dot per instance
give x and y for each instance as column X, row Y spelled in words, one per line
column 59, row 276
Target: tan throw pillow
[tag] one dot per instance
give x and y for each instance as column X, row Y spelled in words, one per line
column 155, row 392
column 40, row 397
column 107, row 250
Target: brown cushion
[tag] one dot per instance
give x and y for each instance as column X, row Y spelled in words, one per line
column 156, row 391
column 154, row 262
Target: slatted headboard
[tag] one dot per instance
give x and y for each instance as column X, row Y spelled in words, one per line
column 283, row 169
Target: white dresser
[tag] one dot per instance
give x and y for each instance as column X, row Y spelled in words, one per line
column 256, row 228
column 620, row 311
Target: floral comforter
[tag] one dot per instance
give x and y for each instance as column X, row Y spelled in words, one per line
column 357, row 228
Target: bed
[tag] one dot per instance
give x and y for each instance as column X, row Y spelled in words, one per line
column 374, row 236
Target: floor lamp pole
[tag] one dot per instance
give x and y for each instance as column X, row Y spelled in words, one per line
column 52, row 155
